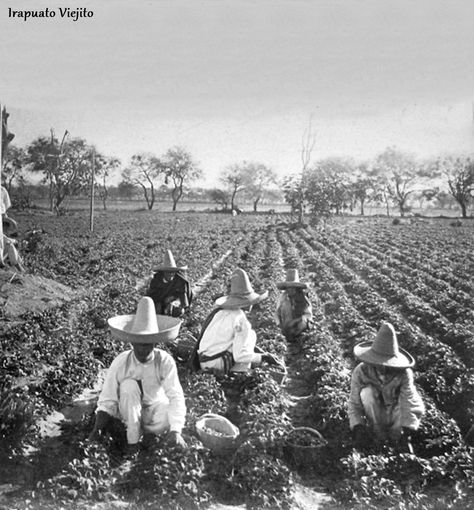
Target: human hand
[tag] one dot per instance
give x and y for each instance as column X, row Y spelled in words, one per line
column 176, row 439
column 102, row 420
column 270, row 359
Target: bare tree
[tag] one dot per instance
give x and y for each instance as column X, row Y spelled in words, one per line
column 178, row 165
column 459, row 172
column 236, row 178
column 308, row 143
column 396, row 173
column 143, row 171
column 66, row 165
column 260, row 178
column 106, row 166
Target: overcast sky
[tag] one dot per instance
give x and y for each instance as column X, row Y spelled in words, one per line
column 239, row 80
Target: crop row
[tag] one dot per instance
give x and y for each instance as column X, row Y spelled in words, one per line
column 438, row 253
column 450, row 301
column 438, row 442
column 390, row 285
column 443, row 375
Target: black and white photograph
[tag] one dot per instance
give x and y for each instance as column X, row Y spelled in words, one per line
column 237, row 255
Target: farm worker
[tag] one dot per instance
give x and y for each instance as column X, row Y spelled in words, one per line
column 141, row 386
column 384, row 402
column 294, row 311
column 169, row 288
column 227, row 340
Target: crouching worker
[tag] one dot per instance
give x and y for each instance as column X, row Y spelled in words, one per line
column 170, row 289
column 384, row 404
column 294, row 311
column 141, row 387
column 227, row 341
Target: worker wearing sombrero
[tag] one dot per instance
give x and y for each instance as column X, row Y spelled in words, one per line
column 384, row 403
column 227, row 340
column 169, row 288
column 294, row 311
column 141, row 387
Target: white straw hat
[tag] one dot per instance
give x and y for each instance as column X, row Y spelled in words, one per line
column 145, row 327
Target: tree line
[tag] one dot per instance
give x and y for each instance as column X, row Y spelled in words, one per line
column 326, row 187
column 393, row 177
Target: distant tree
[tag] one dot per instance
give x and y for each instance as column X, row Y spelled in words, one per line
column 259, row 178
column 427, row 195
column 459, row 172
column 126, row 190
column 144, row 171
column 105, row 167
column 66, row 165
column 235, row 177
column 178, row 166
column 363, row 188
column 220, row 196
column 333, row 175
column 445, row 200
column 308, row 142
column 396, row 173
column 14, row 163
column 293, row 188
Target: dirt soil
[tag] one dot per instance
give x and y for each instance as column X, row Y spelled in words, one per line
column 21, row 293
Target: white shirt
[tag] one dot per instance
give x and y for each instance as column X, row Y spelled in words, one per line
column 230, row 331
column 5, row 203
column 160, row 383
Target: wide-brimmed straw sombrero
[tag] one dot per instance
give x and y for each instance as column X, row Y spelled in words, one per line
column 10, row 226
column 241, row 292
column 169, row 264
column 292, row 281
column 145, row 327
column 384, row 350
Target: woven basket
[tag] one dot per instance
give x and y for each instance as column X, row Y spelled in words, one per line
column 217, row 433
column 303, row 455
column 278, row 373
column 184, row 345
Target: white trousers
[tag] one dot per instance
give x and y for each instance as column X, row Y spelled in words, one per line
column 140, row 418
column 386, row 421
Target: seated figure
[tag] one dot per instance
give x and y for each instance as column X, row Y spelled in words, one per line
column 227, row 341
column 384, row 404
column 141, row 387
column 294, row 311
column 170, row 289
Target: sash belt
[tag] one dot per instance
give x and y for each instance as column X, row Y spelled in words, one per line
column 226, row 356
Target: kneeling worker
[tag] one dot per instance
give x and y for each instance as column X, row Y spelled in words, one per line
column 227, row 341
column 294, row 311
column 141, row 386
column 384, row 404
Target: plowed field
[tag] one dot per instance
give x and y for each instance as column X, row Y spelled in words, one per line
column 418, row 276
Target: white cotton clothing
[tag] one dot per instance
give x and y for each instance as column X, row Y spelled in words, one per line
column 5, row 203
column 156, row 406
column 230, row 331
column 136, row 416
